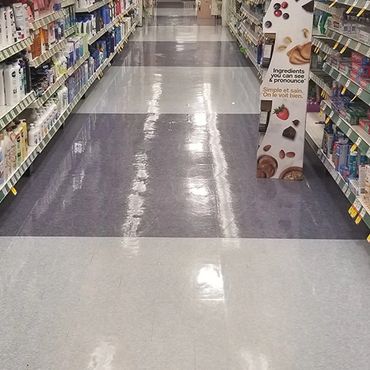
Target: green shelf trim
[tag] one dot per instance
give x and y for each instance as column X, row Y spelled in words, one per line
column 352, row 132
column 351, row 85
column 11, row 50
column 12, row 112
column 34, row 152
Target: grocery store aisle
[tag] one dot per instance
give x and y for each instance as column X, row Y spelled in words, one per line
column 143, row 239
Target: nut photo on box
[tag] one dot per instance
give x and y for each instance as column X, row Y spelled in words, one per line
column 285, row 87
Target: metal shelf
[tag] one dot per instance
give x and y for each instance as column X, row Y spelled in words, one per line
column 355, row 133
column 91, row 8
column 13, row 49
column 357, row 4
column 325, row 8
column 349, row 42
column 248, row 53
column 248, row 14
column 35, row 151
column 109, row 26
column 66, row 3
column 58, row 83
column 343, row 185
column 319, row 82
column 351, row 85
column 47, row 55
column 70, row 31
column 45, row 20
column 7, row 114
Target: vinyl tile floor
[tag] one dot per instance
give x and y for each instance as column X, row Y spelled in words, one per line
column 143, row 240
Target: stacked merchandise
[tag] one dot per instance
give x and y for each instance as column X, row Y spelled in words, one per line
column 36, row 98
column 341, row 82
column 14, row 81
column 14, row 23
column 245, row 22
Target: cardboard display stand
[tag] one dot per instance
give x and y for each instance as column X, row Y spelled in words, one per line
column 284, row 89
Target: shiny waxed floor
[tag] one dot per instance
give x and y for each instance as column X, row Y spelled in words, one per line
column 143, row 240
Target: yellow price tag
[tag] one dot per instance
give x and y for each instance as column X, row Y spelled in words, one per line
column 368, row 238
column 327, row 120
column 359, row 14
column 358, row 219
column 13, row 190
column 350, row 209
column 336, row 45
column 350, row 9
column 344, row 47
column 353, row 148
column 343, row 90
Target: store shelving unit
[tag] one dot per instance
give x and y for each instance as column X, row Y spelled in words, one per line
column 8, row 114
column 15, row 48
column 246, row 26
column 109, row 26
column 93, row 7
column 240, row 17
column 327, row 45
column 46, row 19
column 48, row 54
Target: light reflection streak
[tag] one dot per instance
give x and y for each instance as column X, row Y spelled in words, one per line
column 225, row 212
column 102, row 357
column 210, row 283
column 136, row 199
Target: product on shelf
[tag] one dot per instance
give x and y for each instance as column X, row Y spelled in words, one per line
column 14, row 81
column 14, row 24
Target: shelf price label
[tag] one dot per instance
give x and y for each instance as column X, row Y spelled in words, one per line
column 349, row 10
column 329, row 117
column 358, row 93
column 349, row 132
column 365, row 7
column 13, row 190
column 358, row 141
column 338, row 42
column 358, row 219
column 345, row 87
column 363, row 212
column 333, row 3
column 353, row 148
column 352, row 211
column 345, row 46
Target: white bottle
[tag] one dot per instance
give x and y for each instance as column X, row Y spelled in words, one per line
column 11, row 84
column 33, row 135
column 10, row 26
column 20, row 19
column 19, row 80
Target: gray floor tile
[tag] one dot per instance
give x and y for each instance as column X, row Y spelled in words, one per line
column 170, row 4
column 182, row 34
column 173, row 176
column 175, row 90
column 199, row 54
column 177, row 20
column 168, row 303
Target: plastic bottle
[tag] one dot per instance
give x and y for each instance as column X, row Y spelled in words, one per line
column 11, row 84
